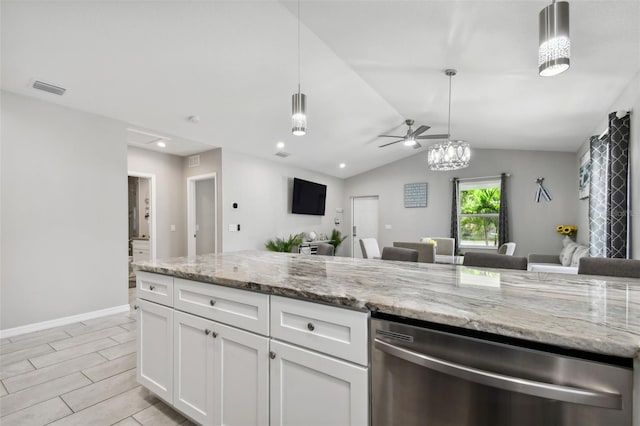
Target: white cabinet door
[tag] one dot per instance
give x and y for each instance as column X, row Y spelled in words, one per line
column 193, row 367
column 309, row 389
column 241, row 377
column 155, row 348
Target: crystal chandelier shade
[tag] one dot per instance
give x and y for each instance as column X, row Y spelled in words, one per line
column 555, row 45
column 450, row 154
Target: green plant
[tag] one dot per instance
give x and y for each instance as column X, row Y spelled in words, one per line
column 336, row 238
column 282, row 245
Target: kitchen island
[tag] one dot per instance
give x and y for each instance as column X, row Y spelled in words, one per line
column 598, row 315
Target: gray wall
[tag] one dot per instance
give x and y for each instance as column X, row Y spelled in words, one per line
column 210, row 162
column 170, row 198
column 64, row 212
column 532, row 224
column 262, row 189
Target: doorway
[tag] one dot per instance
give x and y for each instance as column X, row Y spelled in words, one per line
column 142, row 224
column 364, row 221
column 202, row 214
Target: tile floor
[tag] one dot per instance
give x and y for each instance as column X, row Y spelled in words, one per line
column 78, row 374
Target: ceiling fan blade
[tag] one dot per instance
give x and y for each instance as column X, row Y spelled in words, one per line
column 443, row 136
column 389, row 136
column 420, row 130
column 417, row 145
column 390, row 143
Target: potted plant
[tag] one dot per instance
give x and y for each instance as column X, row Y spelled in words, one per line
column 282, row 245
column 336, row 239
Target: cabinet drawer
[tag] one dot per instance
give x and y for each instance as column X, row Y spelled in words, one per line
column 137, row 244
column 239, row 308
column 335, row 331
column 155, row 288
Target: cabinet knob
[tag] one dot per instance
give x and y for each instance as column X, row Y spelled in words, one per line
column 151, row 287
column 311, row 327
column 272, row 355
column 214, row 334
column 135, row 307
column 212, row 302
column 207, row 331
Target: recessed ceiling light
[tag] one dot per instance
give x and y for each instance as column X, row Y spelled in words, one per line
column 342, row 165
column 280, row 145
column 161, row 144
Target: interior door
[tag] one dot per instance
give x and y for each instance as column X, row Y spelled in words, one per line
column 205, row 217
column 364, row 222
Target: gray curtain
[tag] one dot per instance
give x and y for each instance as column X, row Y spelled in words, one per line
column 454, row 214
column 608, row 191
column 503, row 218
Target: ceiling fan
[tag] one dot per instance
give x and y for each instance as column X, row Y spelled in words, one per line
column 412, row 136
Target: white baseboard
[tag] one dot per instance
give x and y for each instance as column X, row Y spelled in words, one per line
column 29, row 328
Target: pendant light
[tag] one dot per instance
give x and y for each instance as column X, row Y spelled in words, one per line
column 555, row 45
column 451, row 154
column 299, row 100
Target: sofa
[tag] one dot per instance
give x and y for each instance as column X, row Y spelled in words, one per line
column 426, row 251
column 564, row 263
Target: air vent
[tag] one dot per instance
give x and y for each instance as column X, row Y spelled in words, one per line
column 56, row 90
column 194, row 161
column 395, row 336
column 282, row 154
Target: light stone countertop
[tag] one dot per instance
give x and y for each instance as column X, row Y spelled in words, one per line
column 595, row 314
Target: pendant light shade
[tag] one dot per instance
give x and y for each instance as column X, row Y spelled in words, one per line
column 299, row 114
column 555, row 46
column 299, row 99
column 451, row 154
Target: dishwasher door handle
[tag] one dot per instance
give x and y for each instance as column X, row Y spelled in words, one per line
column 509, row 383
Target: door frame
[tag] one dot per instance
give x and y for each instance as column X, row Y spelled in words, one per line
column 353, row 203
column 152, row 225
column 191, row 211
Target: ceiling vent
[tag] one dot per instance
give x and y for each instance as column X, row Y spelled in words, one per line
column 56, row 90
column 194, row 161
column 282, row 154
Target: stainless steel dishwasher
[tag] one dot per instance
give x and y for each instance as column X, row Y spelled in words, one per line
column 450, row 377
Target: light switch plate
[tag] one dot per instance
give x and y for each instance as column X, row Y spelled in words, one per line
column 173, row 228
column 387, row 227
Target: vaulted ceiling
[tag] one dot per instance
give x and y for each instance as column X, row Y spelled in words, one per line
column 365, row 67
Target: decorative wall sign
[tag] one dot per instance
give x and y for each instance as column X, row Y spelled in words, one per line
column 415, row 195
column 585, row 175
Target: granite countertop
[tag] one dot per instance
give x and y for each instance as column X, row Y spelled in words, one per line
column 595, row 314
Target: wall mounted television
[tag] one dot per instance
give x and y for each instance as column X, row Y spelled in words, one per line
column 308, row 197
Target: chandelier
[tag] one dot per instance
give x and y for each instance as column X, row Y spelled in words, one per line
column 450, row 154
column 555, row 46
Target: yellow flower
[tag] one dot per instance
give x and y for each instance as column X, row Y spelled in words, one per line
column 434, row 242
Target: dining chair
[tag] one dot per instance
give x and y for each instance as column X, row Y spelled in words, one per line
column 399, row 253
column 370, row 248
column 325, row 249
column 507, row 248
column 493, row 260
column 628, row 268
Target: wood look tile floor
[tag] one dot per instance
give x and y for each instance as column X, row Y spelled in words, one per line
column 78, row 374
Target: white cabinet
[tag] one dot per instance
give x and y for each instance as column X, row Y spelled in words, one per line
column 140, row 250
column 308, row 388
column 155, row 348
column 221, row 373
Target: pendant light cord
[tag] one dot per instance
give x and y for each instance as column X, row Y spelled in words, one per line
column 298, row 46
column 449, row 122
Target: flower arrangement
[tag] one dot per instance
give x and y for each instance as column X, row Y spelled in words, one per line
column 569, row 230
column 434, row 242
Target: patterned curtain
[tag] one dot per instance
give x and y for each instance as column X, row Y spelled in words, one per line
column 608, row 191
column 503, row 219
column 617, row 194
column 454, row 215
column 598, row 197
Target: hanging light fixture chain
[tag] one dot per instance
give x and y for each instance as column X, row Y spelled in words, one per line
column 298, row 46
column 449, row 120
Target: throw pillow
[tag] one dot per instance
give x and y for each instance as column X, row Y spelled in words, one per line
column 565, row 242
column 579, row 253
column 568, row 253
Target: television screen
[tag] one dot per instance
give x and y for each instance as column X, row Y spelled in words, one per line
column 308, row 197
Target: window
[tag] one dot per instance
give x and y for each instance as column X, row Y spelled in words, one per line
column 478, row 213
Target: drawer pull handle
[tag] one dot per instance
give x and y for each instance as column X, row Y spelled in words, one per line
column 272, row 355
column 311, row 327
column 212, row 302
column 135, row 307
column 207, row 331
column 151, row 287
column 214, row 334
